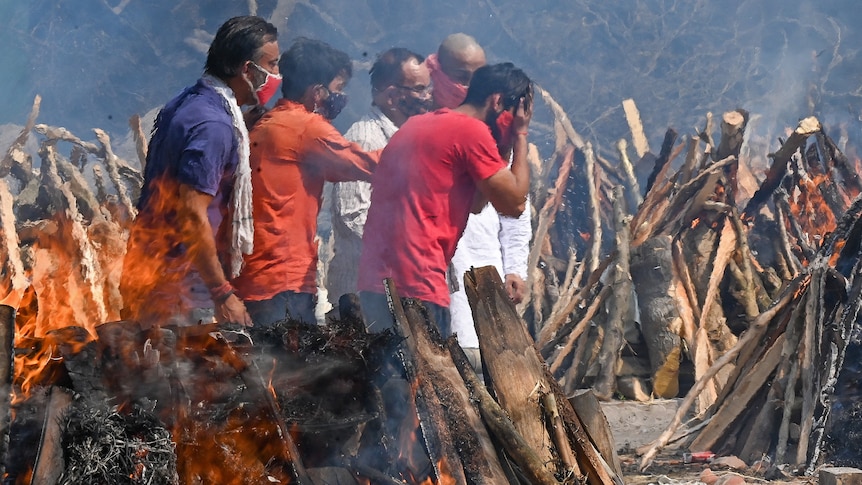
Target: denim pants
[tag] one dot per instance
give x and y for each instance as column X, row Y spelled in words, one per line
column 287, row 304
column 375, row 311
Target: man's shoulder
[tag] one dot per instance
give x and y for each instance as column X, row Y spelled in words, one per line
column 372, row 131
column 203, row 105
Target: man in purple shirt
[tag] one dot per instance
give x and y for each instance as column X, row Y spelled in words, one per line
column 194, row 220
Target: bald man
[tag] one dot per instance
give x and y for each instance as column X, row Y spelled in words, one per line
column 452, row 67
column 489, row 239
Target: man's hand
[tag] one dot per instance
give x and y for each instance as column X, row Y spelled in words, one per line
column 232, row 310
column 523, row 115
column 516, row 287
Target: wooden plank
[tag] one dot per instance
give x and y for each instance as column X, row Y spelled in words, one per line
column 737, row 401
column 596, row 425
column 50, row 462
column 633, row 117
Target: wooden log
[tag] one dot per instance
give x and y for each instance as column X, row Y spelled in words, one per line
column 594, row 257
column 112, row 163
column 633, row 118
column 778, row 168
column 474, row 452
column 564, row 305
column 499, row 423
column 557, row 430
column 88, row 204
column 712, row 316
column 261, row 395
column 782, row 200
column 429, row 408
column 825, row 180
column 596, row 425
column 732, row 131
column 49, row 460
column 11, row 262
column 691, row 161
column 849, row 176
column 688, row 201
column 661, row 324
column 597, row 469
column 791, row 361
column 560, row 115
column 809, row 357
column 622, row 291
column 634, row 189
column 512, row 366
column 664, row 157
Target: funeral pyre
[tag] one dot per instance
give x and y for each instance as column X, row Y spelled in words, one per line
column 737, row 293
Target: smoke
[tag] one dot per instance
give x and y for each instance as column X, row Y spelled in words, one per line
column 96, row 66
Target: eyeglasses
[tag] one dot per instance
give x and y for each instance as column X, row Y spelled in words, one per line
column 420, row 90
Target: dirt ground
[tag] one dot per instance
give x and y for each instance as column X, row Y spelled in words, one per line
column 634, row 424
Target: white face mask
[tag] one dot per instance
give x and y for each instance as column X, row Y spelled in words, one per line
column 267, row 88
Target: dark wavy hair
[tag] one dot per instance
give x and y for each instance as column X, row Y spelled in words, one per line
column 386, row 70
column 503, row 78
column 309, row 62
column 238, row 40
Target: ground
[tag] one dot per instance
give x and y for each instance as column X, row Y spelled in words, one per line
column 634, row 424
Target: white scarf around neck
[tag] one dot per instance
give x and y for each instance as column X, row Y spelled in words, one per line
column 242, row 233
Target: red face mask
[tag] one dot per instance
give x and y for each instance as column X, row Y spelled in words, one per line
column 270, row 85
column 504, row 127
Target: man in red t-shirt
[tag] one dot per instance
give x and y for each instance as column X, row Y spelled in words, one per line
column 426, row 185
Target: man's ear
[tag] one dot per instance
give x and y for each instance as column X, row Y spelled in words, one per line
column 246, row 67
column 390, row 95
column 495, row 102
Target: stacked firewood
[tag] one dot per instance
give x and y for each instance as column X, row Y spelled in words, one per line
column 741, row 299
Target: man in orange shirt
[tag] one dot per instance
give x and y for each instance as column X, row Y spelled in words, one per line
column 294, row 150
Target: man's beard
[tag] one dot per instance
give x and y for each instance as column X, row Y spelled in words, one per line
column 491, row 121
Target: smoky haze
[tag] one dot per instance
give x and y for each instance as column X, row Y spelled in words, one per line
column 97, row 63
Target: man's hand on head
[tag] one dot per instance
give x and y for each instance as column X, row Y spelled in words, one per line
column 523, row 115
column 516, row 287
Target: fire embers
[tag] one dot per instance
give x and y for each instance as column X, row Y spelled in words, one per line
column 273, row 406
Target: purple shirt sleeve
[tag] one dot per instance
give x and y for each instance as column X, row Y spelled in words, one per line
column 208, row 154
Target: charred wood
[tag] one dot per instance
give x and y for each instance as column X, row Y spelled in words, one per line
column 780, row 159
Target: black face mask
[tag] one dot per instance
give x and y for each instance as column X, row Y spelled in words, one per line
column 411, row 106
column 333, row 105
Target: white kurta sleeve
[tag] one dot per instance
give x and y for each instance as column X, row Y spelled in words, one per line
column 515, row 235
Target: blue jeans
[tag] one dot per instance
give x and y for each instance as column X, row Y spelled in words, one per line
column 375, row 311
column 287, row 304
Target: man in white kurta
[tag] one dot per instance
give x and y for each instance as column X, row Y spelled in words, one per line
column 400, row 88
